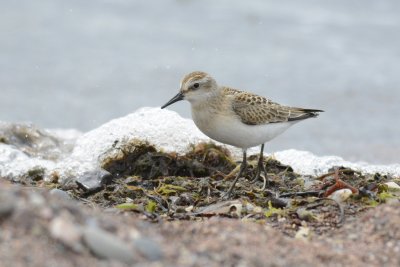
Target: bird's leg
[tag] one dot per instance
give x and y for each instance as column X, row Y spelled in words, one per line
column 243, row 168
column 260, row 168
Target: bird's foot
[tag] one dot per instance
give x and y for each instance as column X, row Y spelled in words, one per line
column 232, row 174
column 228, row 194
column 265, row 182
column 260, row 169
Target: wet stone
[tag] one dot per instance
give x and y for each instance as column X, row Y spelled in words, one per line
column 105, row 245
column 149, row 248
column 93, row 181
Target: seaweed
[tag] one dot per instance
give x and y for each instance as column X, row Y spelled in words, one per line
column 168, row 186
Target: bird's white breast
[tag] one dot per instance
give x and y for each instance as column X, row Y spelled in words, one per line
column 227, row 128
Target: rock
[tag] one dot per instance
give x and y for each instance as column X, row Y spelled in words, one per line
column 107, row 246
column 304, row 233
column 61, row 194
column 7, row 204
column 35, row 142
column 93, row 181
column 36, row 199
column 67, row 232
column 306, row 215
column 150, row 249
column 341, row 195
column 229, row 207
column 392, row 186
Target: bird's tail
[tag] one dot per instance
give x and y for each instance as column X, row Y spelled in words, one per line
column 304, row 113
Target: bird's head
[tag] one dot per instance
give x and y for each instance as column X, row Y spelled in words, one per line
column 196, row 87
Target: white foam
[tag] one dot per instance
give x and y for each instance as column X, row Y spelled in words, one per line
column 14, row 163
column 307, row 163
column 169, row 132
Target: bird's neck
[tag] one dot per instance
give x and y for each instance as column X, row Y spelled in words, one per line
column 212, row 100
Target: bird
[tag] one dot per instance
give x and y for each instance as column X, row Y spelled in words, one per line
column 235, row 117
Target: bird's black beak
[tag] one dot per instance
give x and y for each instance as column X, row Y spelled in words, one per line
column 176, row 98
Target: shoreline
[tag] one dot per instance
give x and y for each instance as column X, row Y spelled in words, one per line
column 70, row 154
column 136, row 192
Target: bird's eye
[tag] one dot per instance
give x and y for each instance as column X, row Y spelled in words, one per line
column 196, row 85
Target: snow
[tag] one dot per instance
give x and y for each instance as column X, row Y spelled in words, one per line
column 165, row 129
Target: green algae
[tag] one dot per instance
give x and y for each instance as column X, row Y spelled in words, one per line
column 151, row 206
column 271, row 211
column 127, row 206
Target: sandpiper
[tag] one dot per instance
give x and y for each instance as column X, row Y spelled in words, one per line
column 235, row 117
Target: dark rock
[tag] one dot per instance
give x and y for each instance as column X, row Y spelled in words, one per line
column 7, row 204
column 107, row 246
column 93, row 181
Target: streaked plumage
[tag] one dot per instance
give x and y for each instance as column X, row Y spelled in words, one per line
column 255, row 110
column 236, row 117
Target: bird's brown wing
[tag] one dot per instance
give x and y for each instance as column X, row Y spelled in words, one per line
column 255, row 110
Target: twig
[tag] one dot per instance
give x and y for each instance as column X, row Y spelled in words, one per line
column 339, row 184
column 301, row 194
column 332, row 173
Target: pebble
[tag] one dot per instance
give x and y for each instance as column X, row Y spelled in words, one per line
column 36, row 199
column 392, row 186
column 341, row 195
column 7, row 204
column 223, row 207
column 150, row 249
column 93, row 180
column 61, row 194
column 304, row 233
column 107, row 246
column 306, row 215
column 67, row 232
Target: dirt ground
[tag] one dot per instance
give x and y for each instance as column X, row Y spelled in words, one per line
column 158, row 209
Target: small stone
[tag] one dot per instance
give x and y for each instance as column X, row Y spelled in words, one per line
column 258, row 209
column 59, row 194
column 36, row 199
column 236, row 210
column 67, row 232
column 150, row 249
column 341, row 195
column 282, row 219
column 189, row 209
column 93, row 181
column 306, row 215
column 7, row 204
column 223, row 207
column 392, row 186
column 107, row 246
column 46, row 213
column 304, row 233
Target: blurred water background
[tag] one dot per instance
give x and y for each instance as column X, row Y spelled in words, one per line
column 78, row 64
